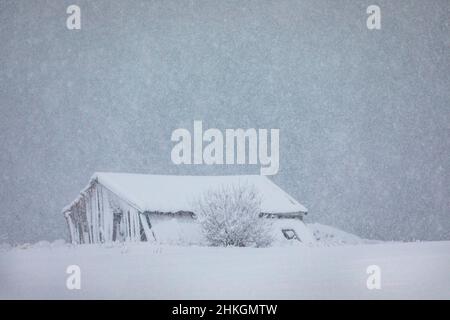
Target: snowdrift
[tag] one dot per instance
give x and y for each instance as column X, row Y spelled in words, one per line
column 327, row 235
column 185, row 232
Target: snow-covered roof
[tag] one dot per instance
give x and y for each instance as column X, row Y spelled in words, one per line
column 173, row 193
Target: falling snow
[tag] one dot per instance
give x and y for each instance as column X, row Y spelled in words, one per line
column 363, row 114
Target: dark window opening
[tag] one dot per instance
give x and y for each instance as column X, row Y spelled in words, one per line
column 290, row 234
column 117, row 217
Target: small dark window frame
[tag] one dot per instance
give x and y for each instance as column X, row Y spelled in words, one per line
column 294, row 236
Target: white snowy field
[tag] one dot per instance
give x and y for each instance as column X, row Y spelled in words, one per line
column 419, row 270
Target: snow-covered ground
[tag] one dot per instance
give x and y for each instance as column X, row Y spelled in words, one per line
column 418, row 270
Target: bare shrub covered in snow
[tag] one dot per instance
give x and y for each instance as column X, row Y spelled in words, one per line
column 230, row 216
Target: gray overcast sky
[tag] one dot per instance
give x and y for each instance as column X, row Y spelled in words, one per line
column 364, row 116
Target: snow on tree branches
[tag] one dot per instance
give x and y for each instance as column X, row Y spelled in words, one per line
column 231, row 216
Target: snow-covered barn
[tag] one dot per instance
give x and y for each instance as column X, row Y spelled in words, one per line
column 159, row 208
